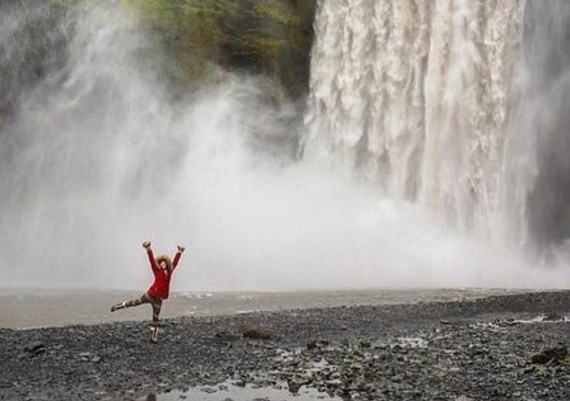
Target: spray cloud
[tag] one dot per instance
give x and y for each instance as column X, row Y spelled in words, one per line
column 99, row 158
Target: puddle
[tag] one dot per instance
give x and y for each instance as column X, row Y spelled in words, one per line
column 228, row 392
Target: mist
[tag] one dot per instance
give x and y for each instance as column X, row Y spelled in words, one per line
column 98, row 157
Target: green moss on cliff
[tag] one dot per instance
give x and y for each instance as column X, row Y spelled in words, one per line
column 276, row 11
column 272, row 37
column 269, row 36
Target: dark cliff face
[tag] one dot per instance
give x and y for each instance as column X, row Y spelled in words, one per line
column 271, row 37
column 546, row 46
column 268, row 37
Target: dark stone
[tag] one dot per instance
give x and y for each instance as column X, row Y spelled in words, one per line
column 311, row 345
column 226, row 336
column 553, row 317
column 294, row 385
column 550, row 355
column 34, row 347
column 254, row 332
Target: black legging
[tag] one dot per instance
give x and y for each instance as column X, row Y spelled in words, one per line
column 156, row 304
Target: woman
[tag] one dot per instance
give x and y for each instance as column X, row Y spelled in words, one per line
column 162, row 267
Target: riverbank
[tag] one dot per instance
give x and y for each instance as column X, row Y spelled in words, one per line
column 33, row 308
column 482, row 349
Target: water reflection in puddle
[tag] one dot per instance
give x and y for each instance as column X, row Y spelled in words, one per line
column 227, row 392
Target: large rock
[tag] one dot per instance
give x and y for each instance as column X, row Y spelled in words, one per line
column 550, row 355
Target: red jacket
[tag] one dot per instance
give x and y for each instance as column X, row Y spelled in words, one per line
column 160, row 288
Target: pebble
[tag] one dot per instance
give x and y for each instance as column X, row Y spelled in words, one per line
column 481, row 356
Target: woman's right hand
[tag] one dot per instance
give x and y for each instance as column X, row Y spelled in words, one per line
column 146, row 245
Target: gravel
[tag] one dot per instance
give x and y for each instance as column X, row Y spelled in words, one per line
column 486, row 349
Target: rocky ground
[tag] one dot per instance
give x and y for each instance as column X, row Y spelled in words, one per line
column 484, row 349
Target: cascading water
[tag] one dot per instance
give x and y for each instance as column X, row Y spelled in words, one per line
column 96, row 157
column 418, row 95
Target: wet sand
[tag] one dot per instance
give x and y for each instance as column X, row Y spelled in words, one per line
column 43, row 308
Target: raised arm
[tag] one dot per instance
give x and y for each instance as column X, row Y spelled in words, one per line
column 177, row 256
column 150, row 254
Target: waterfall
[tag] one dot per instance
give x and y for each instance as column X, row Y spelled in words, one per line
column 432, row 101
column 417, row 95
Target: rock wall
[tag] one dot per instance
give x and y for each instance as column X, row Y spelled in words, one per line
column 272, row 37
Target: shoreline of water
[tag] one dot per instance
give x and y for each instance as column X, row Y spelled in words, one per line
column 25, row 309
